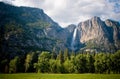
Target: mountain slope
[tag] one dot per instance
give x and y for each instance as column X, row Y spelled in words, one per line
column 24, row 29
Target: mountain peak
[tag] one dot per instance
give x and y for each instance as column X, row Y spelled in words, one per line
column 95, row 18
column 110, row 22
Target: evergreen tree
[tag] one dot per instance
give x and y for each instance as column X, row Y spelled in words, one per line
column 66, row 54
column 60, row 57
column 116, row 62
column 43, row 62
column 30, row 59
column 100, row 63
column 90, row 63
column 4, row 66
column 14, row 64
column 53, row 55
column 80, row 63
column 53, row 65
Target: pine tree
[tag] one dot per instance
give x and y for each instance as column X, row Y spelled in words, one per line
column 60, row 57
column 66, row 54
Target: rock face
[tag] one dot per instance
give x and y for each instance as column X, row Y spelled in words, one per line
column 96, row 34
column 25, row 29
column 91, row 29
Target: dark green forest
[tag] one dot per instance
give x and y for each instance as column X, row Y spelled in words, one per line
column 62, row 62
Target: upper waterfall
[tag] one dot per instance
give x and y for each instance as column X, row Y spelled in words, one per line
column 73, row 39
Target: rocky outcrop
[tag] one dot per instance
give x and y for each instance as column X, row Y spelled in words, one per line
column 98, row 35
column 114, row 32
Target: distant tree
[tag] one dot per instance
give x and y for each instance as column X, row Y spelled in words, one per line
column 4, row 66
column 53, row 55
column 13, row 65
column 72, row 63
column 30, row 59
column 108, row 63
column 53, row 65
column 21, row 66
column 28, row 62
column 60, row 67
column 69, row 66
column 100, row 63
column 43, row 62
column 60, row 57
column 80, row 64
column 90, row 63
column 116, row 62
column 66, row 54
column 72, row 53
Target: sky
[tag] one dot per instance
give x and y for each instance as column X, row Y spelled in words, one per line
column 67, row 12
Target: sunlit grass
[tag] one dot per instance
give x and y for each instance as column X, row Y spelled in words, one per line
column 59, row 76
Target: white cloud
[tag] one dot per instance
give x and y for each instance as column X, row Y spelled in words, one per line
column 73, row 11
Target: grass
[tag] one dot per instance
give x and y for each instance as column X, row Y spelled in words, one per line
column 59, row 76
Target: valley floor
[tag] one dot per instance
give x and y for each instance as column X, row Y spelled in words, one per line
column 58, row 76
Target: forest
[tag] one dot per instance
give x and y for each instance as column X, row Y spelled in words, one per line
column 62, row 62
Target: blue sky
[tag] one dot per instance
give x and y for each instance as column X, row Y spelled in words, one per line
column 66, row 12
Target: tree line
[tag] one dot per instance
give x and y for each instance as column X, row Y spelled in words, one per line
column 63, row 62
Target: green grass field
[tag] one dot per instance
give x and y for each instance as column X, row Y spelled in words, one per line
column 59, row 76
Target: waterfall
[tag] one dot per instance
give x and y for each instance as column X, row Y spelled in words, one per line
column 45, row 32
column 73, row 39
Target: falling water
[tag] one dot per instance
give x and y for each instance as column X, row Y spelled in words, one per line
column 45, row 32
column 73, row 39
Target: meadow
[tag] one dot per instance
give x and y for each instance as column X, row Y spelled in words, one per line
column 58, row 76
